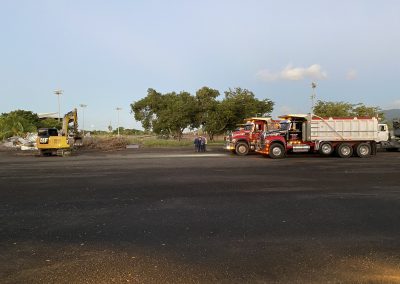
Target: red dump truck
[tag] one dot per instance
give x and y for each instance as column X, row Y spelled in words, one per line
column 310, row 133
column 244, row 139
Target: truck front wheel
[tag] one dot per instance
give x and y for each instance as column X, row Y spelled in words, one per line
column 363, row 150
column 344, row 150
column 242, row 149
column 276, row 151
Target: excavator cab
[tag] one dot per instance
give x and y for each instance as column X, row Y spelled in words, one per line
column 47, row 132
column 52, row 141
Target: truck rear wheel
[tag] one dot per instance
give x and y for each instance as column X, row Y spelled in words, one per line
column 345, row 150
column 325, row 149
column 242, row 149
column 276, row 151
column 363, row 150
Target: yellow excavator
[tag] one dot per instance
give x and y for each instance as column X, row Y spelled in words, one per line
column 51, row 141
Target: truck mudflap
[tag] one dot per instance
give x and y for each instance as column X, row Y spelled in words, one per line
column 373, row 148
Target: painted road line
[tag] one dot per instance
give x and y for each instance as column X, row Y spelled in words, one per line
column 184, row 156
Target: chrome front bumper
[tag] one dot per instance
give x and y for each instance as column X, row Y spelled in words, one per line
column 229, row 146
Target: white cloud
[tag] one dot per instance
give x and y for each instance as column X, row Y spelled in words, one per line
column 266, row 75
column 396, row 104
column 293, row 73
column 351, row 74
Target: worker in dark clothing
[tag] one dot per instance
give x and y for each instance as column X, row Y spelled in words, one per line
column 197, row 144
column 203, row 143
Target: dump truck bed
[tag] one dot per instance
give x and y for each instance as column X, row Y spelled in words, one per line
column 338, row 129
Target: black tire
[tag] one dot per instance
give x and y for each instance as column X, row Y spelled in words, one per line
column 242, row 149
column 363, row 150
column 344, row 150
column 325, row 149
column 276, row 151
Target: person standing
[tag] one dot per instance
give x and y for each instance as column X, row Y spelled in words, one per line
column 202, row 144
column 196, row 144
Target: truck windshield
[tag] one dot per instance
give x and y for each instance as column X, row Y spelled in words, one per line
column 248, row 127
column 285, row 125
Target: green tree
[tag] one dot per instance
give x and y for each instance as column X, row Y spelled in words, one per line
column 362, row 110
column 29, row 116
column 217, row 120
column 237, row 105
column 206, row 102
column 127, row 131
column 343, row 109
column 177, row 113
column 14, row 123
column 146, row 109
column 169, row 114
column 333, row 109
column 166, row 114
column 241, row 103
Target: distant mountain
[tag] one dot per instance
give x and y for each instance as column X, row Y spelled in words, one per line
column 391, row 113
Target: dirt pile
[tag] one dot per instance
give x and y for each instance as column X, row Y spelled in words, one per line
column 105, row 143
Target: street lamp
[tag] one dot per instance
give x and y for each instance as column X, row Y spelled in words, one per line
column 118, row 109
column 83, row 118
column 58, row 93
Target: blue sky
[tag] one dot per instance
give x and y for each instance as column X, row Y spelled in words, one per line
column 106, row 54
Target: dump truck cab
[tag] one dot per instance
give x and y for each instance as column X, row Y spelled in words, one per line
column 243, row 140
column 392, row 143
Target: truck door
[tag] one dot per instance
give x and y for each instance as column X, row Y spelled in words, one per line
column 383, row 132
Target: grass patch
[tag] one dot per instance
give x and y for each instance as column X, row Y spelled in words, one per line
column 154, row 142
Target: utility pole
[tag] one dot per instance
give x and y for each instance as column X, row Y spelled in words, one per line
column 58, row 93
column 83, row 106
column 313, row 96
column 118, row 109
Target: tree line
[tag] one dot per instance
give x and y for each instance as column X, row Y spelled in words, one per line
column 19, row 122
column 343, row 109
column 170, row 114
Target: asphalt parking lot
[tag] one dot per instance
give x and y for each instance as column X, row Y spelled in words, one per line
column 174, row 216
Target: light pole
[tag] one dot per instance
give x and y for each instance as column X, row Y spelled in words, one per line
column 118, row 109
column 83, row 118
column 313, row 96
column 58, row 93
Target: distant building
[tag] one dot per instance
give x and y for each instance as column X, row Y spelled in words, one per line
column 46, row 115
